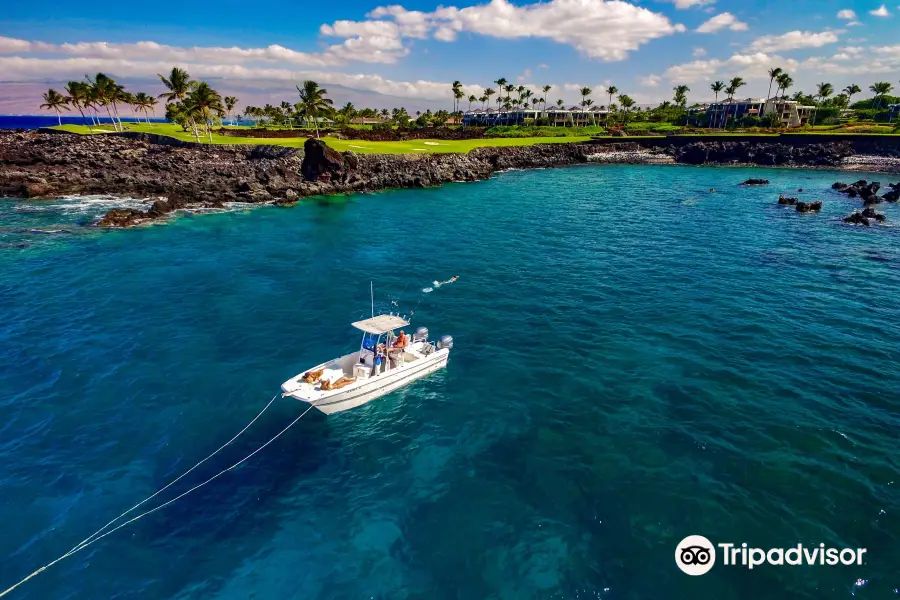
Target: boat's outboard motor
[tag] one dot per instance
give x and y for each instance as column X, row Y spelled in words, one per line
column 421, row 334
column 446, row 342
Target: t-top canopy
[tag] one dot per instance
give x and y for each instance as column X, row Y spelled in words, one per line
column 381, row 324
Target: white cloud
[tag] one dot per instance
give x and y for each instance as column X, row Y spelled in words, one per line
column 603, row 29
column 650, row 80
column 881, row 11
column 854, row 24
column 846, row 14
column 525, row 75
column 698, row 52
column 19, row 68
column 793, row 40
column 748, row 66
column 690, row 3
column 724, row 20
column 375, row 49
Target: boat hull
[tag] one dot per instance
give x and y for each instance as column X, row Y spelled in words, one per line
column 381, row 385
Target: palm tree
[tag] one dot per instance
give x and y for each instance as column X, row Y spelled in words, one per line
column 151, row 107
column 288, row 113
column 773, row 75
column 314, row 102
column 586, row 104
column 546, row 89
column 626, row 103
column 79, row 97
column 526, row 94
column 179, row 84
column 559, row 106
column 483, row 100
column 129, row 99
column 880, row 89
column 472, row 98
column 850, row 90
column 734, row 85
column 585, row 92
column 206, row 104
column 823, row 90
column 230, row 103
column 501, row 85
column 488, row 93
column 456, row 88
column 54, row 100
column 118, row 95
column 507, row 104
column 716, row 87
column 104, row 91
column 680, row 96
column 611, row 91
column 457, row 96
column 785, row 82
column 141, row 103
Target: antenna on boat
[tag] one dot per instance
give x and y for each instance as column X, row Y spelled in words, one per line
column 372, row 297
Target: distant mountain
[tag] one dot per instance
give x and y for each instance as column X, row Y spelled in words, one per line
column 25, row 97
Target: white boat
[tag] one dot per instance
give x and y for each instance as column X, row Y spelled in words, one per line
column 378, row 368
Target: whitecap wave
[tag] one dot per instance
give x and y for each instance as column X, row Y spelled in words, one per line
column 83, row 205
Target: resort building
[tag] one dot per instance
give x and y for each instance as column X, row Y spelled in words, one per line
column 789, row 113
column 573, row 116
column 720, row 113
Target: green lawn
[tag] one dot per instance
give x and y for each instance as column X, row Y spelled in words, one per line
column 358, row 146
column 435, row 146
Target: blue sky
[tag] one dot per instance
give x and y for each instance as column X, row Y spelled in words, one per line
column 414, row 49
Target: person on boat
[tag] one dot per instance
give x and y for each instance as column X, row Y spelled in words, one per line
column 397, row 349
column 377, row 360
column 401, row 341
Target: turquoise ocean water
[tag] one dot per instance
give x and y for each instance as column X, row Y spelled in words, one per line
column 637, row 359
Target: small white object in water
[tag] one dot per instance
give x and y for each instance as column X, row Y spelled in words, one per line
column 427, row 290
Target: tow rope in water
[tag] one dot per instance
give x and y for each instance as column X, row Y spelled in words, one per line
column 96, row 536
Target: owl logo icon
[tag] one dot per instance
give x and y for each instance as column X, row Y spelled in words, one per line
column 695, row 555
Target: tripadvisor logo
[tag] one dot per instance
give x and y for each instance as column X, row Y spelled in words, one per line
column 696, row 555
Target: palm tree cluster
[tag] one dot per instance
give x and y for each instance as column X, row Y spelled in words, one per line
column 193, row 103
column 521, row 97
column 95, row 93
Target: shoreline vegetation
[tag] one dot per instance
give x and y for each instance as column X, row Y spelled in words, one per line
column 195, row 111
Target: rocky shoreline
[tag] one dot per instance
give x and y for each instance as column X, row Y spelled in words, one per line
column 185, row 175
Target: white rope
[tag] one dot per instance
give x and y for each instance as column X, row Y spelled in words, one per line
column 96, row 537
column 177, row 479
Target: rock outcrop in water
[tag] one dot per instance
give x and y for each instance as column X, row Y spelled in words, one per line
column 865, row 217
column 752, row 181
column 805, row 207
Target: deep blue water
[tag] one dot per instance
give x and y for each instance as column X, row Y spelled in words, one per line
column 637, row 359
column 36, row 121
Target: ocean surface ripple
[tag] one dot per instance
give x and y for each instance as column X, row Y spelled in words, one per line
column 638, row 358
